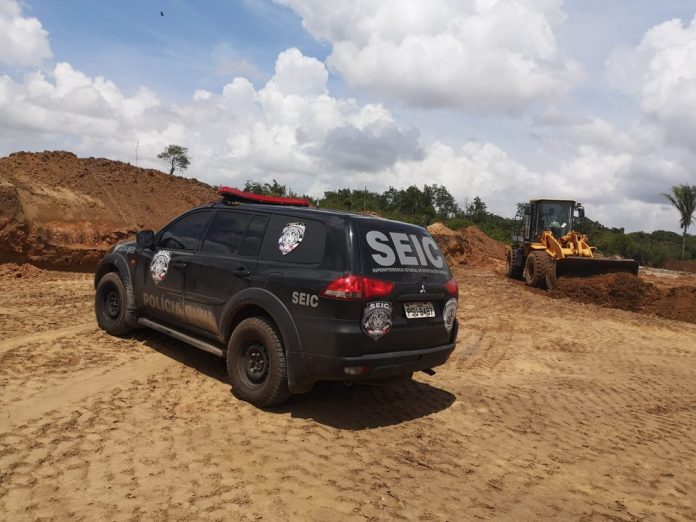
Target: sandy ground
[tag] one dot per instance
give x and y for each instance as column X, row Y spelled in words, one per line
column 547, row 409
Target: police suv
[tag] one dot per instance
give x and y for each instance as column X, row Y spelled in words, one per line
column 288, row 295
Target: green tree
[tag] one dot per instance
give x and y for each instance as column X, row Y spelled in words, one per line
column 176, row 157
column 268, row 189
column 443, row 202
column 683, row 197
column 276, row 189
column 477, row 210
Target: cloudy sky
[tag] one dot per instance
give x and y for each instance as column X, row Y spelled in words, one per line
column 505, row 99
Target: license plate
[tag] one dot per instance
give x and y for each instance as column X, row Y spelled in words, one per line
column 419, row 310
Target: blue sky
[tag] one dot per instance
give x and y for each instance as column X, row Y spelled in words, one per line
column 176, row 53
column 502, row 99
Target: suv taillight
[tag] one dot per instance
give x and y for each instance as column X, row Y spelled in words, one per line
column 353, row 288
column 452, row 287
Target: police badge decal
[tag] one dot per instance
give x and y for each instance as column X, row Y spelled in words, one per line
column 291, row 237
column 160, row 265
column 377, row 319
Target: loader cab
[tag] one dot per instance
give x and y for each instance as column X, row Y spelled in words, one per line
column 553, row 215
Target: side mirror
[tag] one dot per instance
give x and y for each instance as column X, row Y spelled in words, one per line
column 527, row 210
column 145, row 238
column 581, row 212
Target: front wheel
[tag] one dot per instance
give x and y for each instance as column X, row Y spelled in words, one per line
column 256, row 363
column 110, row 305
column 540, row 270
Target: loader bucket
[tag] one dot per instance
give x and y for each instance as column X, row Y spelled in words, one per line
column 589, row 266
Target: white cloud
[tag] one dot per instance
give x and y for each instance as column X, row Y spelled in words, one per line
column 473, row 169
column 23, row 41
column 71, row 104
column 479, row 55
column 290, row 129
column 661, row 73
column 293, row 130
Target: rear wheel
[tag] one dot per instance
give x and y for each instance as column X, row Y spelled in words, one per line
column 110, row 305
column 512, row 264
column 540, row 271
column 256, row 363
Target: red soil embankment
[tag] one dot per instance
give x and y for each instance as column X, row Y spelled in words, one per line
column 61, row 211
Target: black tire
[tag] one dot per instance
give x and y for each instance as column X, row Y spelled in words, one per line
column 110, row 305
column 551, row 274
column 540, row 270
column 513, row 270
column 256, row 363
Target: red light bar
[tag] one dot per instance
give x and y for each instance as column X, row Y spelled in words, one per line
column 232, row 194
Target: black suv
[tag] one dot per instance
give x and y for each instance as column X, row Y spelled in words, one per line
column 288, row 295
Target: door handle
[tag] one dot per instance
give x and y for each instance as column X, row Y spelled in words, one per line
column 241, row 272
column 179, row 265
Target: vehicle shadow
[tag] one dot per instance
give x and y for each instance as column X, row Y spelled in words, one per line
column 367, row 406
column 203, row 362
column 334, row 404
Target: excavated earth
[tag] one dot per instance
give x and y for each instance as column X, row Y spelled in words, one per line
column 665, row 293
column 61, row 211
column 547, row 409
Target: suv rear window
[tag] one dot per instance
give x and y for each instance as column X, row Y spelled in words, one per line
column 308, row 250
column 400, row 253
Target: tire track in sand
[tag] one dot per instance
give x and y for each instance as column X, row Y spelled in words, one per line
column 14, row 342
column 90, row 384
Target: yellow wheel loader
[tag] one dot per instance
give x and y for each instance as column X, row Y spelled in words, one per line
column 547, row 247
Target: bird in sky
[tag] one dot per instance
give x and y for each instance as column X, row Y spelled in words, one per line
column 161, row 13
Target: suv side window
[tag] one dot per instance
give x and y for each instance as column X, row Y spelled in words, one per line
column 184, row 233
column 252, row 241
column 226, row 232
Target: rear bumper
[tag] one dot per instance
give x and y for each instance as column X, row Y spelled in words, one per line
column 315, row 367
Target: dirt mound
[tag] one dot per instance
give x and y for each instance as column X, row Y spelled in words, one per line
column 624, row 291
column 676, row 303
column 684, row 266
column 452, row 244
column 469, row 246
column 13, row 270
column 62, row 211
column 630, row 292
column 486, row 251
column 438, row 229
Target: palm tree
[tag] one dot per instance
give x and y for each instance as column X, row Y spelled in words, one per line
column 683, row 197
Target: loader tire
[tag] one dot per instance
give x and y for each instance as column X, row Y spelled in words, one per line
column 551, row 275
column 512, row 264
column 540, row 271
